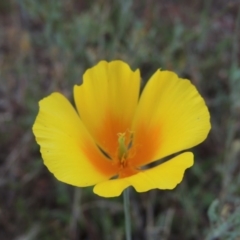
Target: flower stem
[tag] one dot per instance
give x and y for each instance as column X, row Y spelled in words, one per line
column 126, row 202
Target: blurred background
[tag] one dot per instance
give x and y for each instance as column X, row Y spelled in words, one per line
column 46, row 46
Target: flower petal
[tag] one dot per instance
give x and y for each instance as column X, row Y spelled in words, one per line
column 171, row 117
column 67, row 148
column 106, row 101
column 165, row 176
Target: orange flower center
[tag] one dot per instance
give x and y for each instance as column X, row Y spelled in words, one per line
column 125, row 152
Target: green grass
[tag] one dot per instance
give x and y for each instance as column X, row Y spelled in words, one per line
column 46, row 46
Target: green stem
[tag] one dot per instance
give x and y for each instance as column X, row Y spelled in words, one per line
column 126, row 202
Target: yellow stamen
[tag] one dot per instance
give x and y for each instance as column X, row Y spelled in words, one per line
column 122, row 148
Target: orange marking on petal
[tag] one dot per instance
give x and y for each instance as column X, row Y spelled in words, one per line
column 107, row 136
column 127, row 172
column 146, row 143
column 99, row 161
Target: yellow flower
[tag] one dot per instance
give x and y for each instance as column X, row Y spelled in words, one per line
column 115, row 133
